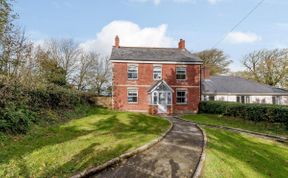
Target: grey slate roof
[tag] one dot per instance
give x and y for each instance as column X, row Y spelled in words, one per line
column 153, row 54
column 229, row 84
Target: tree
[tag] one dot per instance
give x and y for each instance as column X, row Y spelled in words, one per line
column 102, row 74
column 215, row 59
column 49, row 69
column 267, row 66
column 6, row 15
column 14, row 46
column 88, row 65
column 66, row 52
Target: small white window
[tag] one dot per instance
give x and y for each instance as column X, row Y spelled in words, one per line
column 132, row 95
column 169, row 98
column 155, row 98
column 181, row 73
column 181, row 96
column 132, row 72
column 157, row 73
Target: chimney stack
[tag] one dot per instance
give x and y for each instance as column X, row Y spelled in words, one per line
column 181, row 44
column 117, row 41
column 205, row 72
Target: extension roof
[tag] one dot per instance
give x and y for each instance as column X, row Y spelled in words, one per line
column 237, row 85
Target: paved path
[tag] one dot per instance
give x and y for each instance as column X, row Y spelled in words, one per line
column 176, row 155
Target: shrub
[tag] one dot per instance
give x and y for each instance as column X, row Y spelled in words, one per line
column 253, row 112
column 53, row 97
column 20, row 107
column 15, row 120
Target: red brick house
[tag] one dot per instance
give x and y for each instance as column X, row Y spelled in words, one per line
column 155, row 80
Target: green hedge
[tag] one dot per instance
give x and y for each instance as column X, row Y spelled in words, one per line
column 253, row 112
column 21, row 107
column 54, row 97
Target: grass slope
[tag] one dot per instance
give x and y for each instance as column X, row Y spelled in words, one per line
column 63, row 149
column 264, row 127
column 235, row 155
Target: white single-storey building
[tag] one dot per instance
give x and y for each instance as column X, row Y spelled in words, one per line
column 236, row 89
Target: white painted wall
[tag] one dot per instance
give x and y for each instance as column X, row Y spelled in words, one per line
column 261, row 99
column 230, row 98
column 253, row 99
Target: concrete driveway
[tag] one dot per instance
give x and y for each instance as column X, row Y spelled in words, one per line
column 177, row 155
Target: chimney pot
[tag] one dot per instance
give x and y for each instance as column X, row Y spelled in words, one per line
column 117, row 41
column 181, row 44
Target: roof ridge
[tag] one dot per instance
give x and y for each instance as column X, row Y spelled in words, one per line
column 148, row 47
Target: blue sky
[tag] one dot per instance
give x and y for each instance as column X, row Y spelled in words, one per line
column 202, row 23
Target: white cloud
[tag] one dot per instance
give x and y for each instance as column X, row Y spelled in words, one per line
column 155, row 2
column 241, row 37
column 214, row 1
column 130, row 34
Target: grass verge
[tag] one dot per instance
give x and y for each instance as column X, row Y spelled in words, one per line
column 65, row 148
column 231, row 154
column 219, row 120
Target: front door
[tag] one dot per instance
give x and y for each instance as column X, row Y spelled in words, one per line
column 162, row 106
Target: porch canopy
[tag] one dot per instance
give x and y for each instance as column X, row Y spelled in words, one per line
column 161, row 94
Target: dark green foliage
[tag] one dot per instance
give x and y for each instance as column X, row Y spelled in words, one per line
column 20, row 107
column 54, row 97
column 253, row 112
column 15, row 117
column 50, row 69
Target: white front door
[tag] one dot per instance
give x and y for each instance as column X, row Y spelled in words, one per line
column 162, row 105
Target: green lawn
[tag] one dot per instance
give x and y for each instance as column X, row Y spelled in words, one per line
column 264, row 127
column 231, row 154
column 63, row 149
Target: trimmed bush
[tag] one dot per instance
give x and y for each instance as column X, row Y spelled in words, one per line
column 54, row 97
column 253, row 112
column 21, row 107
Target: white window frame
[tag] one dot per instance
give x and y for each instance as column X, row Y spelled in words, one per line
column 171, row 99
column 185, row 97
column 157, row 98
column 177, row 70
column 132, row 91
column 167, row 93
column 157, row 67
column 135, row 68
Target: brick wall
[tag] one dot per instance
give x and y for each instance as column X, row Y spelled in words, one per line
column 144, row 82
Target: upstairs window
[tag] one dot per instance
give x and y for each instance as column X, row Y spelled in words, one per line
column 180, row 73
column 132, row 95
column 157, row 73
column 132, row 72
column 181, row 96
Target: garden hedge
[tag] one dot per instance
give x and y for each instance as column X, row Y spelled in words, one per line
column 21, row 107
column 254, row 112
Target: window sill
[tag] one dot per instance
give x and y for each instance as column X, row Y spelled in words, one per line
column 158, row 104
column 132, row 103
column 181, row 103
column 132, row 79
